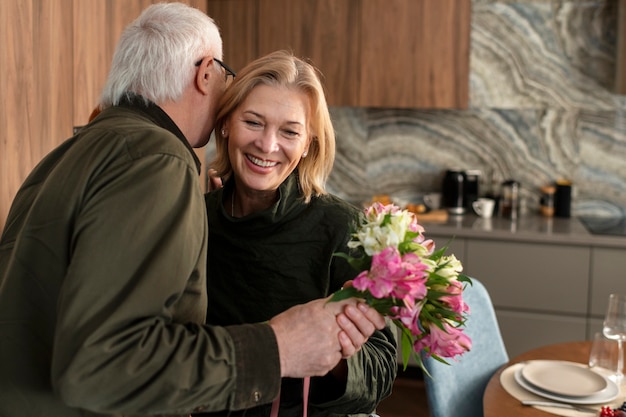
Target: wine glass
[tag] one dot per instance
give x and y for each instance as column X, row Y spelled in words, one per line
column 614, row 328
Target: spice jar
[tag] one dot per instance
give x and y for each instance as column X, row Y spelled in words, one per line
column 546, row 204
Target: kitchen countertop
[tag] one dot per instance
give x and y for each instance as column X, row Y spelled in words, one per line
column 529, row 228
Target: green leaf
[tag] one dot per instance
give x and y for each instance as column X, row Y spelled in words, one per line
column 408, row 247
column 407, row 346
column 386, row 220
column 361, row 264
column 436, row 255
column 409, row 235
column 346, row 293
column 465, row 278
column 342, row 255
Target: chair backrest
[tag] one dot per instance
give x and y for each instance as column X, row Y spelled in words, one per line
column 458, row 388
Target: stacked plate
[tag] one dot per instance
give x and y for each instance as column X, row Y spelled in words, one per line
column 567, row 382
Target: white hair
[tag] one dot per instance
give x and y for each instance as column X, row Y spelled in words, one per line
column 155, row 55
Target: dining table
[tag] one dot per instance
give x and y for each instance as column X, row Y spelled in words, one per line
column 498, row 402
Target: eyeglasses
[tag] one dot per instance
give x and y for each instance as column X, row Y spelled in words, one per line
column 229, row 72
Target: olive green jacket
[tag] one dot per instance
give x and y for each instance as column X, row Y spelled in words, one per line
column 103, row 285
column 264, row 263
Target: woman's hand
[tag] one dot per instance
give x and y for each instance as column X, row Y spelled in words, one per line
column 215, row 182
column 358, row 323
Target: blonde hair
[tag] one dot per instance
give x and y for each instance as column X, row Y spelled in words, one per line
column 283, row 69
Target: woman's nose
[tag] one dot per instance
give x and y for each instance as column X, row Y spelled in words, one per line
column 268, row 141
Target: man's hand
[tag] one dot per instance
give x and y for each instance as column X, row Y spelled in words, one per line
column 313, row 337
column 308, row 339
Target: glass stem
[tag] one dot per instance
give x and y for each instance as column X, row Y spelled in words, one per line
column 620, row 359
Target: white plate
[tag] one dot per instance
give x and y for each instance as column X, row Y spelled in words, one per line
column 609, row 394
column 564, row 378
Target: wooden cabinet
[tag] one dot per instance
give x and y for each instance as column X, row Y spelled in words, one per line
column 372, row 53
column 415, row 53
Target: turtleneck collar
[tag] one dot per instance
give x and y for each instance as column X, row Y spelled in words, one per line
column 289, row 204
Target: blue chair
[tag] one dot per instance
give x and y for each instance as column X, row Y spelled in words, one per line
column 457, row 389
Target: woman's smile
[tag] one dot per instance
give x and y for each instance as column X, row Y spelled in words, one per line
column 261, row 162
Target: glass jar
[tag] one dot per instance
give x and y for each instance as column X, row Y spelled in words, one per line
column 546, row 203
column 509, row 200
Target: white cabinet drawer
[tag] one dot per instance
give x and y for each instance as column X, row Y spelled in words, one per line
column 531, row 276
column 525, row 331
column 608, row 274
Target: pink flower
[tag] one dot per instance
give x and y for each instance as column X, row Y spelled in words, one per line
column 429, row 244
column 394, row 275
column 379, row 280
column 455, row 299
column 409, row 315
column 410, row 282
column 377, row 209
column 413, row 283
column 416, row 227
column 445, row 343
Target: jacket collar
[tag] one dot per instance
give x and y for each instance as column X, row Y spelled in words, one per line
column 158, row 116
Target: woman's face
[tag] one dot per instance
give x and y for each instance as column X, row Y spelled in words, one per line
column 267, row 135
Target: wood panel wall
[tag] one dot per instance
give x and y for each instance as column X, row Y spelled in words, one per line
column 54, row 57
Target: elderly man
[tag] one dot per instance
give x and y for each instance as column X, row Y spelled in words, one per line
column 102, row 260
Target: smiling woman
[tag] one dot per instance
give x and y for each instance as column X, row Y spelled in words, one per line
column 275, row 147
column 268, row 135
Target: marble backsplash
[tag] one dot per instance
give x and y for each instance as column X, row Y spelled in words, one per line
column 541, row 109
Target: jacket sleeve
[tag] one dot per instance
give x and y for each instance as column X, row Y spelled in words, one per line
column 129, row 337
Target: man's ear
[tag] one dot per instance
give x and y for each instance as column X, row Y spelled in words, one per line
column 203, row 75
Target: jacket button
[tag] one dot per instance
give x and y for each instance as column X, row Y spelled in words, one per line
column 257, row 396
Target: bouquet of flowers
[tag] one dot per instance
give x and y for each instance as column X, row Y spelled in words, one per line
column 404, row 278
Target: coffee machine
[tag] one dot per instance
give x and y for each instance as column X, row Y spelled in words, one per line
column 453, row 191
column 460, row 189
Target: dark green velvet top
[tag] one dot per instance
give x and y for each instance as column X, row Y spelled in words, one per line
column 262, row 264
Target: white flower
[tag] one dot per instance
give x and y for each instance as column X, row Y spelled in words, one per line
column 382, row 230
column 450, row 267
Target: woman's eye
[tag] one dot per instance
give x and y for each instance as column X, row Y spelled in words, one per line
column 252, row 123
column 290, row 133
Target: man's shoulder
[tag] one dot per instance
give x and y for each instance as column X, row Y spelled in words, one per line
column 136, row 135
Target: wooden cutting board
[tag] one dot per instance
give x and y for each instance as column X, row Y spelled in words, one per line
column 434, row 216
